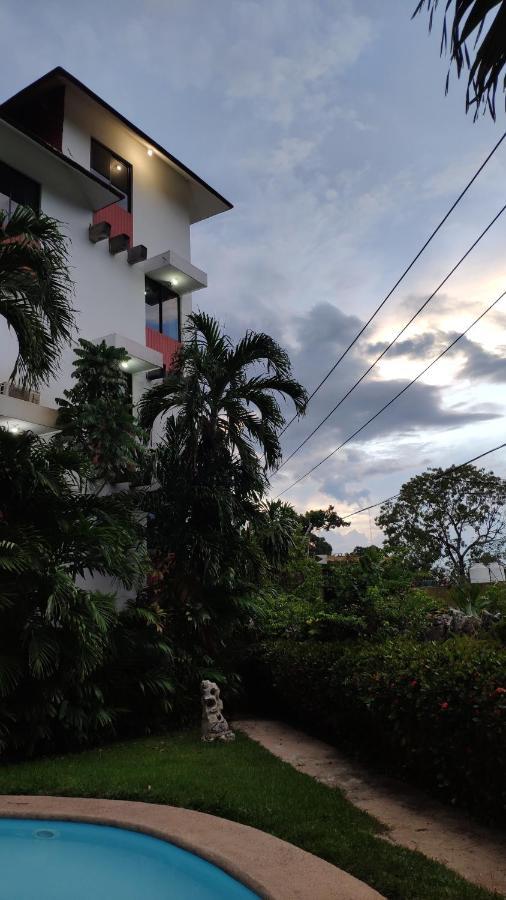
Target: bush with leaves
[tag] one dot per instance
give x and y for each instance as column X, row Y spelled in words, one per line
column 433, row 712
column 72, row 668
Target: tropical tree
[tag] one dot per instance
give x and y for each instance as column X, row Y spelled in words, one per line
column 447, row 518
column 220, row 409
column 68, row 668
column 477, row 30
column 35, row 291
column 314, row 520
column 95, row 416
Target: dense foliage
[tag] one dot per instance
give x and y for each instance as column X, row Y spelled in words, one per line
column 435, row 712
column 67, row 655
column 484, row 58
column 35, row 291
column 446, row 519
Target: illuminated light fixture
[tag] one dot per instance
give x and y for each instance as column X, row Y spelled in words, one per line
column 118, row 167
column 14, row 429
column 124, row 364
column 150, row 152
column 174, row 281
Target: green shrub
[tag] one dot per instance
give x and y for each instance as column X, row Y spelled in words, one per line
column 435, row 712
column 279, row 614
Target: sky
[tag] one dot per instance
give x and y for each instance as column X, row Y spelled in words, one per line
column 326, row 123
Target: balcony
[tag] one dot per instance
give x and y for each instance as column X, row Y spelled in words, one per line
column 164, row 344
column 142, row 358
column 21, row 410
column 169, row 268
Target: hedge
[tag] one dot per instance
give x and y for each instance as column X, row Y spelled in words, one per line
column 433, row 712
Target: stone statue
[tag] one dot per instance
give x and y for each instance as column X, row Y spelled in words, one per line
column 214, row 725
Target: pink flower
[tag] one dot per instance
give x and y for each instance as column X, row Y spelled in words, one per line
column 444, row 705
column 500, row 690
column 413, row 683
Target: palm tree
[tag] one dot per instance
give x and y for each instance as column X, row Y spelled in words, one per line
column 221, row 413
column 224, row 394
column 468, row 20
column 35, row 291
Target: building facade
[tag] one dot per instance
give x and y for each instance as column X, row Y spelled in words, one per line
column 127, row 206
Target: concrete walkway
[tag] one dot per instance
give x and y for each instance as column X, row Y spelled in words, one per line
column 412, row 818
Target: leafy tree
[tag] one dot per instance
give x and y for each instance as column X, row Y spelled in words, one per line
column 53, row 635
column 275, row 527
column 209, row 534
column 466, row 21
column 449, row 517
column 68, row 670
column 317, row 520
column 220, row 409
column 35, row 291
column 95, row 416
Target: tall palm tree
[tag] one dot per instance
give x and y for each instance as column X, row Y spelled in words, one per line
column 221, row 412
column 468, row 20
column 35, row 291
column 223, row 395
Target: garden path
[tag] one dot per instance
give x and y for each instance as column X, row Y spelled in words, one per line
column 412, row 819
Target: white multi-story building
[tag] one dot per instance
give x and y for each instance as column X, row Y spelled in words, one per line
column 127, row 206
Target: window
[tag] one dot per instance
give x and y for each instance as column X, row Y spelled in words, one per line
column 17, row 189
column 114, row 170
column 163, row 309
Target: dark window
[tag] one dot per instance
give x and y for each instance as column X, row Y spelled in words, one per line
column 114, row 170
column 163, row 309
column 17, row 189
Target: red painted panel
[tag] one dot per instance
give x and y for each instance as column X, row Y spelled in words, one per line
column 120, row 220
column 164, row 344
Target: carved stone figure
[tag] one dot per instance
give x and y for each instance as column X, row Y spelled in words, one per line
column 214, row 725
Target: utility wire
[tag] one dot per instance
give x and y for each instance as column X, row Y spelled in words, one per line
column 394, row 340
column 402, row 277
column 394, row 496
column 395, row 397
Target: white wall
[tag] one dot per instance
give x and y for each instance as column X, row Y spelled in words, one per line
column 161, row 196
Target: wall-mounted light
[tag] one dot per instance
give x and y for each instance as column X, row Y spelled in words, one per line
column 174, row 281
column 14, row 429
column 124, row 363
column 150, row 152
column 118, row 167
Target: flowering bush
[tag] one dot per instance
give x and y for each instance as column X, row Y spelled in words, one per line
column 435, row 712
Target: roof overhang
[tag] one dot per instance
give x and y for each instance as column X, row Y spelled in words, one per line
column 141, row 358
column 42, row 162
column 205, row 200
column 175, row 271
column 21, row 415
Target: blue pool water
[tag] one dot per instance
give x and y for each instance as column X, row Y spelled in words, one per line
column 48, row 860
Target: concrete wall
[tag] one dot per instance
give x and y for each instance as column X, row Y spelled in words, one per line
column 161, row 196
column 109, row 294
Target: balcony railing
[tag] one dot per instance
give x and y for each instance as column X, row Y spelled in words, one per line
column 164, row 344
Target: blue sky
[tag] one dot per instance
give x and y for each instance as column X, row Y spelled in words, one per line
column 326, row 124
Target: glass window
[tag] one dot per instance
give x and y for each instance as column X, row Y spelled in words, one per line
column 17, row 189
column 162, row 309
column 114, row 170
column 170, row 318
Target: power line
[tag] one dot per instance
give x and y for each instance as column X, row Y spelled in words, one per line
column 395, row 397
column 402, row 277
column 394, row 496
column 394, row 340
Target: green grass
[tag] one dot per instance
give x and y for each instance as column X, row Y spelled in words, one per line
column 243, row 782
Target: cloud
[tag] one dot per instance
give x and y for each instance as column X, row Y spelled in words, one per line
column 481, row 364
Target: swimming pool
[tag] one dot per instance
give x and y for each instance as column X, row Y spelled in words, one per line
column 54, row 860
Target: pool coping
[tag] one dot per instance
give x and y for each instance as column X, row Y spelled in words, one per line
column 272, row 868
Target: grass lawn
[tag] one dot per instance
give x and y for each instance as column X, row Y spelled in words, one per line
column 243, row 782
